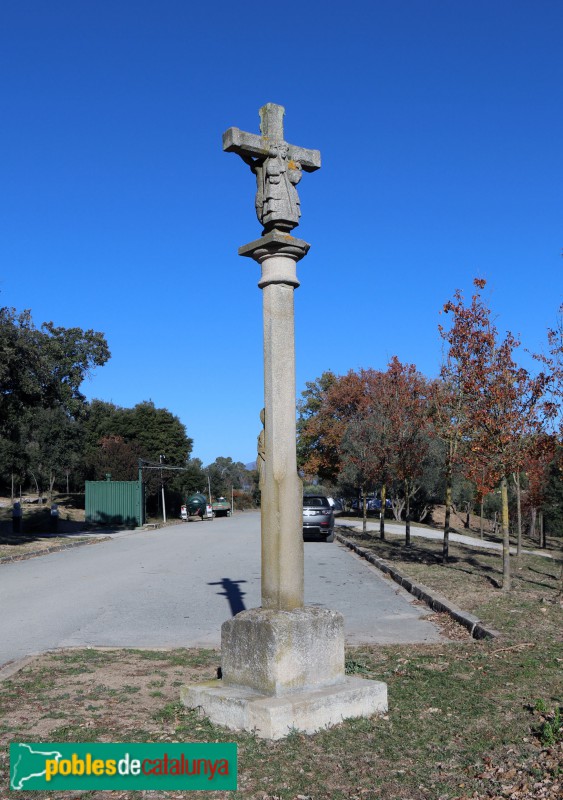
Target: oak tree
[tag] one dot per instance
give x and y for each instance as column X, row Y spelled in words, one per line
column 503, row 401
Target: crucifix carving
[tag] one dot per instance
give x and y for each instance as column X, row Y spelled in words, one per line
column 278, row 167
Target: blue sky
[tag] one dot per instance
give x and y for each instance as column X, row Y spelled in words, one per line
column 440, row 124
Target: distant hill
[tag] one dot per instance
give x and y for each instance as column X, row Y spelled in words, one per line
column 252, row 465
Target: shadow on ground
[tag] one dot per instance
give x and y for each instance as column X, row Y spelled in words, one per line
column 233, row 593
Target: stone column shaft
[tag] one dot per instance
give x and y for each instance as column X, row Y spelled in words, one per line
column 282, row 492
column 282, row 521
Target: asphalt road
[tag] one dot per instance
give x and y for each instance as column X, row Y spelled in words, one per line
column 174, row 587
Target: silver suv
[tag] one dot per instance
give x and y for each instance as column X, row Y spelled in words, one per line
column 318, row 518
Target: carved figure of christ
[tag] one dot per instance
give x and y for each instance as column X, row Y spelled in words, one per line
column 277, row 166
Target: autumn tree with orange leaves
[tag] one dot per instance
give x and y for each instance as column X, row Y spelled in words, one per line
column 540, row 459
column 553, row 364
column 370, row 425
column 477, row 469
column 360, row 463
column 406, row 391
column 343, row 428
column 504, row 403
column 447, row 409
column 327, row 406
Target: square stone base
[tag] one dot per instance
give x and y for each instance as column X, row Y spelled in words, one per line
column 279, row 652
column 271, row 717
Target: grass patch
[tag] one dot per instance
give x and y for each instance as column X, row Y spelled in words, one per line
column 459, row 713
column 472, row 578
column 17, row 546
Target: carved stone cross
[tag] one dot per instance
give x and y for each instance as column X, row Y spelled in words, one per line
column 277, row 165
column 283, row 663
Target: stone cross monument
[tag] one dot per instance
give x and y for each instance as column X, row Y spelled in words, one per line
column 278, row 167
column 283, row 663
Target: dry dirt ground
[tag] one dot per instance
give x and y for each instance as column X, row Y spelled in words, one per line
column 458, row 519
column 97, row 685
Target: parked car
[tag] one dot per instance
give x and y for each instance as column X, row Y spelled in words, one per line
column 357, row 503
column 318, row 518
column 337, row 506
column 372, row 504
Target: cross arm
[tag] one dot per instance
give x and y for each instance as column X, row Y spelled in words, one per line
column 244, row 144
column 251, row 145
column 310, row 160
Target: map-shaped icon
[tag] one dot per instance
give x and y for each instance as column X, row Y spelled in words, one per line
column 27, row 762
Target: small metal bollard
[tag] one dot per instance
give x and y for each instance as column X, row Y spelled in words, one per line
column 17, row 518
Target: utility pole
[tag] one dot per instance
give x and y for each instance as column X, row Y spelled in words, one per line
column 161, row 458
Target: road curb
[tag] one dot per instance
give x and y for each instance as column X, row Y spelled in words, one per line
column 433, row 599
column 57, row 548
column 12, row 667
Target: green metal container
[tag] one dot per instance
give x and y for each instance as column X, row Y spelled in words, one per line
column 196, row 504
column 115, row 503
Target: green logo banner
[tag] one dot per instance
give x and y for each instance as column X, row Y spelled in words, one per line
column 93, row 765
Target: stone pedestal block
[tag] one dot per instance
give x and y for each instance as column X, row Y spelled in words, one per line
column 309, row 711
column 284, row 670
column 277, row 652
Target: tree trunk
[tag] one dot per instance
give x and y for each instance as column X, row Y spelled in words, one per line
column 36, row 485
column 407, row 516
column 481, row 517
column 505, row 537
column 397, row 505
column 382, row 515
column 543, row 540
column 533, row 515
column 516, row 477
column 467, row 516
column 365, row 511
column 446, row 545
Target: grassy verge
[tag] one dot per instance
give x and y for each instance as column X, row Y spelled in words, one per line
column 21, row 545
column 436, row 525
column 473, row 576
column 466, row 720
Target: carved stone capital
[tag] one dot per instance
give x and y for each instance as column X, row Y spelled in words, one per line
column 277, row 253
column 275, row 243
